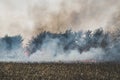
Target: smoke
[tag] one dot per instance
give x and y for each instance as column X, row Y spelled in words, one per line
column 70, row 46
column 11, row 49
column 29, row 18
column 93, row 46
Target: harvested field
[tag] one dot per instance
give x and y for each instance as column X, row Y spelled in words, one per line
column 59, row 71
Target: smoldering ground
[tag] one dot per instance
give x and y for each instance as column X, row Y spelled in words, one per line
column 52, row 19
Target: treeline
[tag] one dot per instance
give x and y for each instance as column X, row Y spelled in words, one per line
column 82, row 41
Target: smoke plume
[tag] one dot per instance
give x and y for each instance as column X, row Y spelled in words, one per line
column 29, row 18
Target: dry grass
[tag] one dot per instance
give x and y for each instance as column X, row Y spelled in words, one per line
column 59, row 71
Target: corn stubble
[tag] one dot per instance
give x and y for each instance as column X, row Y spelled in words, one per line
column 59, row 71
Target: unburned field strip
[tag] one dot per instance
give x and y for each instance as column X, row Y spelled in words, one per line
column 59, row 71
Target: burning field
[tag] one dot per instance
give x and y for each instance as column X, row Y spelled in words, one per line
column 58, row 39
column 53, row 31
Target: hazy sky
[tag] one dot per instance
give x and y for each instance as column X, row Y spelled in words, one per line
column 30, row 17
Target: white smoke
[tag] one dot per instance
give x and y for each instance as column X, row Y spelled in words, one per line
column 50, row 55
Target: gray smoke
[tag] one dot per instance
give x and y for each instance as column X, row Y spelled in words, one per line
column 94, row 46
column 74, row 46
column 11, row 49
